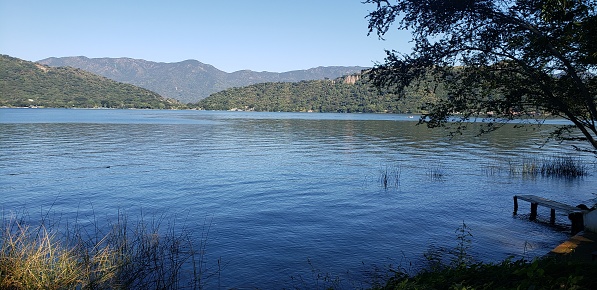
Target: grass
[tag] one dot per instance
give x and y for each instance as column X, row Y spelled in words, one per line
column 564, row 167
column 546, row 273
column 436, row 172
column 555, row 166
column 389, row 177
column 139, row 255
column 460, row 271
column 33, row 259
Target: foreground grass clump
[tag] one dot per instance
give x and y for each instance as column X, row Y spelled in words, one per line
column 35, row 260
column 127, row 256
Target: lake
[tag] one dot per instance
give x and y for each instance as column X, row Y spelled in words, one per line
column 288, row 194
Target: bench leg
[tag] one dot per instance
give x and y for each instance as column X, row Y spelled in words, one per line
column 515, row 205
column 577, row 222
column 552, row 217
column 533, row 211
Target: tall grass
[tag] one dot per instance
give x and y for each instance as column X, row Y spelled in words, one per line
column 389, row 177
column 34, row 259
column 436, row 172
column 564, row 167
column 140, row 255
column 556, row 166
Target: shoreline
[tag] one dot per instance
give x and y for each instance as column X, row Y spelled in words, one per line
column 581, row 247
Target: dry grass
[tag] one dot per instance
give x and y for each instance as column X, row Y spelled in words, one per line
column 140, row 256
column 34, row 260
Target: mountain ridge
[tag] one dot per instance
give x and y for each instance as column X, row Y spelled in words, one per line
column 189, row 80
column 30, row 84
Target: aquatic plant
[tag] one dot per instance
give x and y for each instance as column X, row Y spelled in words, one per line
column 140, row 255
column 563, row 166
column 530, row 167
column 389, row 176
column 436, row 172
column 556, row 166
column 493, row 169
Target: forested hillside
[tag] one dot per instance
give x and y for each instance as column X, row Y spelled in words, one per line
column 350, row 94
column 188, row 81
column 29, row 84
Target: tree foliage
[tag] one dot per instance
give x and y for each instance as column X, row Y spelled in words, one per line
column 499, row 60
column 27, row 84
column 350, row 94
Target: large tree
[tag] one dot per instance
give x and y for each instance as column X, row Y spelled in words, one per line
column 498, row 60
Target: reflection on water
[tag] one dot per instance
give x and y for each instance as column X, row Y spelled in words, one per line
column 281, row 189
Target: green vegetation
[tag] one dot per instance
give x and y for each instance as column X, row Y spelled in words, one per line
column 555, row 166
column 508, row 59
column 142, row 255
column 456, row 269
column 187, row 81
column 28, row 84
column 546, row 273
column 349, row 94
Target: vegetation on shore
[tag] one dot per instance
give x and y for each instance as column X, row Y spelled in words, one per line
column 348, row 94
column 143, row 255
column 456, row 269
column 128, row 255
column 28, row 84
column 187, row 81
column 545, row 273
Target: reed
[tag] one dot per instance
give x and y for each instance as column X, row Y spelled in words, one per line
column 556, row 166
column 389, row 177
column 493, row 169
column 564, row 166
column 436, row 172
column 127, row 255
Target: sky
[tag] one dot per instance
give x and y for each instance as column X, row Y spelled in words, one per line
column 232, row 35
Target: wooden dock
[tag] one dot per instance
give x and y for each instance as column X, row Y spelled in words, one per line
column 575, row 214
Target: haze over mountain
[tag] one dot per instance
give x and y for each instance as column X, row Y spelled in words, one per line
column 188, row 81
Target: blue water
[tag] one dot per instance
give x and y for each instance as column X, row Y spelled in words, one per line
column 286, row 194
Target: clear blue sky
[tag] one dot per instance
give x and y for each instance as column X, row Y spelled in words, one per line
column 260, row 35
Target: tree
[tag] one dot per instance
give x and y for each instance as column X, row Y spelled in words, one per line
column 498, row 60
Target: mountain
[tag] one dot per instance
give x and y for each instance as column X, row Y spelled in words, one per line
column 348, row 94
column 188, row 81
column 29, row 84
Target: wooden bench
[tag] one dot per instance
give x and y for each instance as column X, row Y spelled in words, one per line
column 575, row 214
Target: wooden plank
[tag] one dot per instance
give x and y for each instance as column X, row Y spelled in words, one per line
column 549, row 203
column 575, row 214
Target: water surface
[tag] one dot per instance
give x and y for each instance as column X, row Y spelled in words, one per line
column 286, row 193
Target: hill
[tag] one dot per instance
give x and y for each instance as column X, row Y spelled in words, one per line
column 187, row 81
column 26, row 84
column 349, row 94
